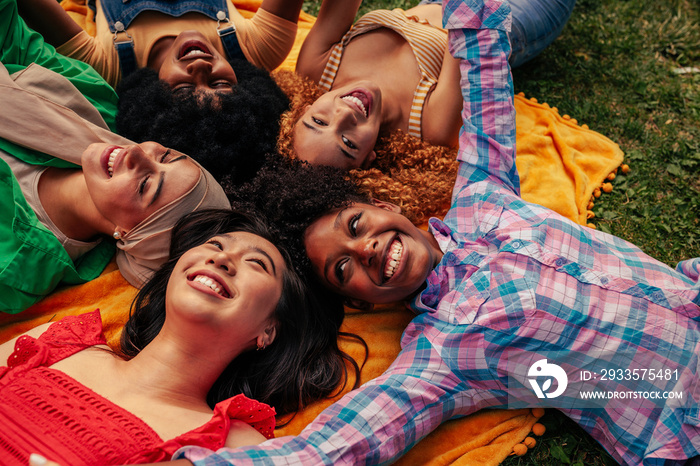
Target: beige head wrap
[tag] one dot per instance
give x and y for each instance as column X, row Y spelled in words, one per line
column 145, row 247
column 68, row 124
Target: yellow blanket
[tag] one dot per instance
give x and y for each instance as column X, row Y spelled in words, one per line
column 560, row 164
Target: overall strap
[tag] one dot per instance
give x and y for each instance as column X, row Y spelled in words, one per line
column 229, row 38
column 125, row 49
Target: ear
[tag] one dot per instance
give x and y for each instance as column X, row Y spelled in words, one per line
column 119, row 233
column 371, row 157
column 391, row 207
column 268, row 335
column 358, row 304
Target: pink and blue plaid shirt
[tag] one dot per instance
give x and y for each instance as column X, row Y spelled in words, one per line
column 517, row 284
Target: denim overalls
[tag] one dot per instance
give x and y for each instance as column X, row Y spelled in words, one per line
column 120, row 14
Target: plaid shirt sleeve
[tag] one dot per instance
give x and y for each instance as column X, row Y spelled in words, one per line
column 385, row 417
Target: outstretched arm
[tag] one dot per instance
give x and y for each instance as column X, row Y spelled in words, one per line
column 285, row 9
column 374, row 424
column 335, row 18
column 49, row 19
column 487, row 136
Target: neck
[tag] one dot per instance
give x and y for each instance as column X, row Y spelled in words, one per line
column 434, row 246
column 64, row 196
column 190, row 369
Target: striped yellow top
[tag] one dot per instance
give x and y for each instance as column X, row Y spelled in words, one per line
column 428, row 43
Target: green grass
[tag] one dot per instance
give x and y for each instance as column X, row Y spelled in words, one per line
column 613, row 69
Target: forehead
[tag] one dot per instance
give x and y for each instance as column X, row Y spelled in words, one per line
column 252, row 242
column 184, row 174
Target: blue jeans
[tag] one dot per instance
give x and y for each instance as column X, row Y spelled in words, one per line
column 536, row 23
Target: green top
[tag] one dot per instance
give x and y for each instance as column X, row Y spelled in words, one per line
column 32, row 261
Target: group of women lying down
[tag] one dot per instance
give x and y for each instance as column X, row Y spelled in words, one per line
column 251, row 303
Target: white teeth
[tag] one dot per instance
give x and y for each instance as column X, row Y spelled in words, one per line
column 356, row 101
column 214, row 285
column 110, row 162
column 194, row 52
column 395, row 252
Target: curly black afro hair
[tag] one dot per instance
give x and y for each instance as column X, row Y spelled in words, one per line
column 292, row 194
column 231, row 136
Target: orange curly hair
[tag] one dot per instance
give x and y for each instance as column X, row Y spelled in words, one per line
column 415, row 175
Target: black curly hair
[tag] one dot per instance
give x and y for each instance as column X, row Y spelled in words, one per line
column 292, row 194
column 230, row 136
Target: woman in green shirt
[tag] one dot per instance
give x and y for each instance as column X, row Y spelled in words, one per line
column 72, row 181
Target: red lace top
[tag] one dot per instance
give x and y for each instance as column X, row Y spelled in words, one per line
column 44, row 411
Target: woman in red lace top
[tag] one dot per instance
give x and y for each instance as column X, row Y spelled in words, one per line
column 226, row 318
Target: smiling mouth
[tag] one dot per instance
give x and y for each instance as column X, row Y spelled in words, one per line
column 110, row 161
column 359, row 99
column 212, row 284
column 393, row 259
column 194, row 49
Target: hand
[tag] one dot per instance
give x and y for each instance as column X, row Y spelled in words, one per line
column 38, row 460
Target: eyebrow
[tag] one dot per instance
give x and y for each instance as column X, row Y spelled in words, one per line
column 347, row 154
column 340, row 148
column 310, row 126
column 161, row 180
column 257, row 249
column 158, row 189
column 336, row 226
column 264, row 253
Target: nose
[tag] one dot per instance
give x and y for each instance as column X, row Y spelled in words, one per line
column 199, row 68
column 223, row 261
column 344, row 115
column 367, row 251
column 135, row 158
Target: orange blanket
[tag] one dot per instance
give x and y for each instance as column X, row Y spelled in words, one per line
column 560, row 164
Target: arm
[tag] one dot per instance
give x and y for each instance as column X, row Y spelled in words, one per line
column 48, row 18
column 487, row 136
column 442, row 119
column 373, row 424
column 286, row 9
column 21, row 46
column 241, row 434
column 335, row 18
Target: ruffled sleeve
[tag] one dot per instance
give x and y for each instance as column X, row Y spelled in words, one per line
column 62, row 339
column 213, row 434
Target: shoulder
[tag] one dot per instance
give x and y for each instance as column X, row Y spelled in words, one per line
column 241, row 434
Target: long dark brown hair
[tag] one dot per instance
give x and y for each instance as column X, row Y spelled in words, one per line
column 303, row 364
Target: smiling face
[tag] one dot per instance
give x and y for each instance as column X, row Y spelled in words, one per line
column 341, row 127
column 232, row 283
column 128, row 184
column 370, row 253
column 194, row 65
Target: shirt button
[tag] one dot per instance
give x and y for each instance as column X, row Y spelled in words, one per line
column 561, row 261
column 516, row 244
column 604, row 280
column 657, row 295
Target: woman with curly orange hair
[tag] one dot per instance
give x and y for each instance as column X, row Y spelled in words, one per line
column 407, row 171
column 390, row 71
